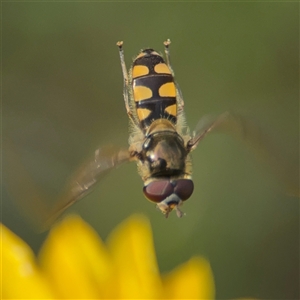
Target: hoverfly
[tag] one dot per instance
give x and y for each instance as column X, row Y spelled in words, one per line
column 160, row 141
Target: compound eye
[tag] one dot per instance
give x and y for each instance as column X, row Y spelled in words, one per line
column 157, row 191
column 184, row 188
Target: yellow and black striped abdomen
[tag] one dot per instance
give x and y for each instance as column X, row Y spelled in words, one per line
column 154, row 89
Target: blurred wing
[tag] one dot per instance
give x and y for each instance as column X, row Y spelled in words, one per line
column 33, row 203
column 204, row 126
column 86, row 177
column 266, row 149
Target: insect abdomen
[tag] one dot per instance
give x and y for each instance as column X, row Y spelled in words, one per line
column 154, row 90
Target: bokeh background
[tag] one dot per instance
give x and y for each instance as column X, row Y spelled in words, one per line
column 62, row 98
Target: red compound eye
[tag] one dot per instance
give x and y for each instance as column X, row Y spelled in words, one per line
column 157, row 191
column 184, row 188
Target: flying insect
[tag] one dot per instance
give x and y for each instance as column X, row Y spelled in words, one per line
column 160, row 141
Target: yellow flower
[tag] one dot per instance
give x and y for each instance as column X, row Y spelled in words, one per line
column 75, row 264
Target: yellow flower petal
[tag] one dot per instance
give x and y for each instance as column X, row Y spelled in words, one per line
column 21, row 278
column 192, row 280
column 132, row 249
column 78, row 266
column 75, row 260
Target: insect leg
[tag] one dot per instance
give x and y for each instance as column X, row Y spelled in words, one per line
column 180, row 101
column 167, row 52
column 126, row 84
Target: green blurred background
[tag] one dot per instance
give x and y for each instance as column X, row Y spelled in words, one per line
column 62, row 98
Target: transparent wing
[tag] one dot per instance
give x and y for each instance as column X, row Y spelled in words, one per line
column 34, row 204
column 204, row 126
column 265, row 147
column 87, row 176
